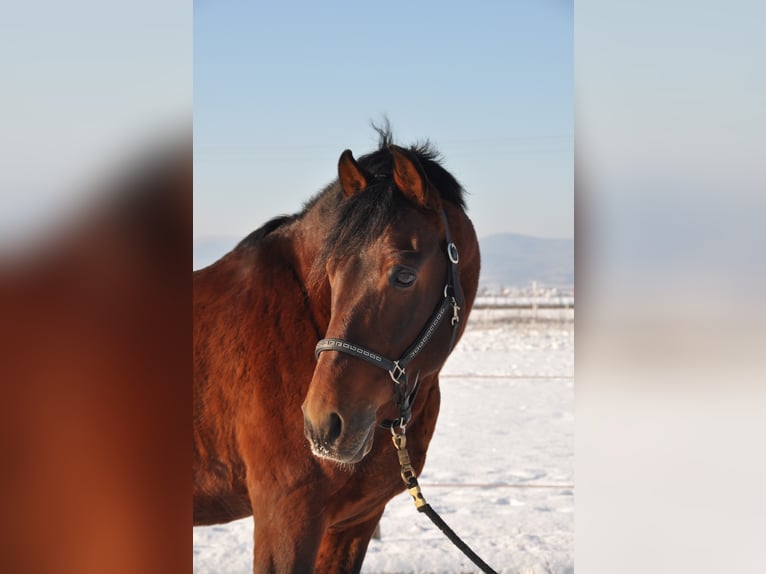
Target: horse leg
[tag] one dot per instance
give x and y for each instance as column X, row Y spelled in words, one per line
column 344, row 550
column 286, row 536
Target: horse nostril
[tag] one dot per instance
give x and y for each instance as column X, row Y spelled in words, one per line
column 334, row 428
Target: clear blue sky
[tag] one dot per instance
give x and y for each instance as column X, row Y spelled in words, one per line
column 282, row 88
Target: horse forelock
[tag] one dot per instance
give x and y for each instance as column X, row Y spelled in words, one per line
column 356, row 222
column 380, row 164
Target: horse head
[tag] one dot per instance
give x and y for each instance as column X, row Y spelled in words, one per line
column 394, row 299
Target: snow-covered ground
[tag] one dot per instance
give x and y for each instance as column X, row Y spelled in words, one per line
column 500, row 468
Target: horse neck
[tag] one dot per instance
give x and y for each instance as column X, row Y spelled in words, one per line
column 308, row 237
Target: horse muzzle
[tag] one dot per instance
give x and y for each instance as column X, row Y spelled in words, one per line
column 346, row 440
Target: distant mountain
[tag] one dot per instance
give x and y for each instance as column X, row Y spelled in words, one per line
column 507, row 259
column 513, row 260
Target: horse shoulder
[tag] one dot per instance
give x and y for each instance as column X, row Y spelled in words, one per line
column 251, row 332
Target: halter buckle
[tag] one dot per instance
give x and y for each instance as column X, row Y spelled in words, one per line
column 396, row 373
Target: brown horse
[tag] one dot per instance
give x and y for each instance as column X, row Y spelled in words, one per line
column 294, row 432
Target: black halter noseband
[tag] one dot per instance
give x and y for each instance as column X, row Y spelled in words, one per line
column 405, row 397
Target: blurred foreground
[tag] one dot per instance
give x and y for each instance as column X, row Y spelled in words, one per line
column 95, row 339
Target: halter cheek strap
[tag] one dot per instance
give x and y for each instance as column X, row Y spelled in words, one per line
column 405, row 397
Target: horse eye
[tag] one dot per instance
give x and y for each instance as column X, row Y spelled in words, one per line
column 404, row 277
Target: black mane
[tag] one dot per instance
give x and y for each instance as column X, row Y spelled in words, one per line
column 355, row 222
column 360, row 219
column 255, row 236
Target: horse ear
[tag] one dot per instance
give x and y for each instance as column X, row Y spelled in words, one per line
column 410, row 178
column 352, row 178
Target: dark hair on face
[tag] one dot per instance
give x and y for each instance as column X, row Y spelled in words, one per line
column 362, row 218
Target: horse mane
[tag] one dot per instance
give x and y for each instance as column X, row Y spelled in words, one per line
column 355, row 222
column 275, row 223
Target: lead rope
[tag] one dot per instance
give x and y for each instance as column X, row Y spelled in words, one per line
column 400, row 440
column 411, row 482
column 405, row 396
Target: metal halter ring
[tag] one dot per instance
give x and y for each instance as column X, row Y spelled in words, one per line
column 452, row 253
column 402, row 428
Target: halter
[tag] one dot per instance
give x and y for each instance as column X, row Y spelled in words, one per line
column 405, row 397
